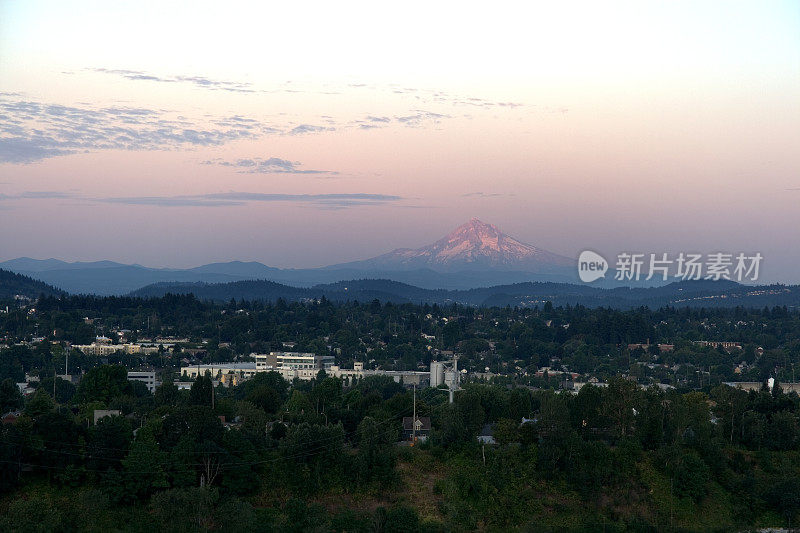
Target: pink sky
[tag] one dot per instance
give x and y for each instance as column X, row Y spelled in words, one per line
column 182, row 135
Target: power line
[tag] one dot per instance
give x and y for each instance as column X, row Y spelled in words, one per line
column 223, row 465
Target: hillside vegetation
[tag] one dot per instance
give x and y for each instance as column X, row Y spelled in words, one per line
column 12, row 284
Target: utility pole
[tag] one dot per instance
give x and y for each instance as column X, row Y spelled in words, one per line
column 414, row 420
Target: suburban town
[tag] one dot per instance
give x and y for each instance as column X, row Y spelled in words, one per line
column 369, row 394
column 189, row 359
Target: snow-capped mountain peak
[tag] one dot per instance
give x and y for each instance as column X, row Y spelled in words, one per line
column 476, row 238
column 474, row 245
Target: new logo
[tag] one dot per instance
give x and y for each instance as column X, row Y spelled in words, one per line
column 591, row 266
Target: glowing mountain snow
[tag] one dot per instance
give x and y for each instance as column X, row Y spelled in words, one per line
column 472, row 246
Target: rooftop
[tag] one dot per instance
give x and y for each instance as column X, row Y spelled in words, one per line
column 234, row 366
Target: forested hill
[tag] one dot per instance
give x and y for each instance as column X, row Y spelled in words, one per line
column 679, row 294
column 12, row 284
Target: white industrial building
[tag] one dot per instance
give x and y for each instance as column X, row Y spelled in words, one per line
column 148, row 378
column 437, row 373
column 102, row 349
column 226, row 373
column 407, row 377
column 291, row 365
column 442, row 374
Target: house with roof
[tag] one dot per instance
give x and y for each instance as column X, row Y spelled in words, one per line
column 486, row 436
column 421, row 428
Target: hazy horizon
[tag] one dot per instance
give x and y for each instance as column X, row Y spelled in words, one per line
column 307, row 135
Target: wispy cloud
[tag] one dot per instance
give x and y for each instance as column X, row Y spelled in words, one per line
column 31, row 131
column 199, row 81
column 219, row 199
column 416, row 119
column 272, row 165
column 435, row 96
column 325, row 201
column 371, row 122
column 22, row 150
column 168, row 201
column 36, row 195
column 420, row 94
column 419, row 117
column 486, row 195
column 308, row 128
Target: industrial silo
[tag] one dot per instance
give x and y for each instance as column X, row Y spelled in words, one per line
column 437, row 373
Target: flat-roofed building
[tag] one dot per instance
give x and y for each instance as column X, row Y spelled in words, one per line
column 406, row 377
column 758, row 385
column 225, row 372
column 291, row 365
column 148, row 378
column 265, row 361
column 302, row 361
column 102, row 349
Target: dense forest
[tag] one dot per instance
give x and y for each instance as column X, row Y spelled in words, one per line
column 317, row 456
column 692, row 293
column 16, row 285
column 660, row 442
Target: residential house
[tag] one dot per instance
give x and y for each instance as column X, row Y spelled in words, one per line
column 486, row 436
column 421, row 428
